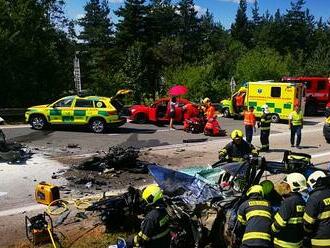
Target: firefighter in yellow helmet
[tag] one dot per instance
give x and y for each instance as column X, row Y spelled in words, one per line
column 237, row 149
column 155, row 230
column 254, row 220
column 288, row 221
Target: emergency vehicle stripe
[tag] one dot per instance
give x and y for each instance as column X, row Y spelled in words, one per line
column 285, row 244
column 256, row 235
column 324, row 215
column 296, row 220
column 308, row 218
column 240, row 219
column 163, row 234
column 257, row 213
column 143, row 236
column 280, row 220
column 321, row 242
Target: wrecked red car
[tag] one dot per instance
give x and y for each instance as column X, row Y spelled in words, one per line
column 158, row 112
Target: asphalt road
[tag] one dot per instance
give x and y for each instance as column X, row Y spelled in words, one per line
column 137, row 135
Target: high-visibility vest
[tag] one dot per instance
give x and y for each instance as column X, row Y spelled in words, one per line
column 239, row 100
column 249, row 118
column 210, row 112
column 297, row 118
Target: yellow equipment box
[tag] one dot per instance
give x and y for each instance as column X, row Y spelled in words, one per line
column 46, row 193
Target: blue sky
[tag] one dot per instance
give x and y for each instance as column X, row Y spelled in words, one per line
column 223, row 10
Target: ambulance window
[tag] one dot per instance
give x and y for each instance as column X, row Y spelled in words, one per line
column 321, row 85
column 100, row 104
column 66, row 102
column 275, row 92
column 82, row 103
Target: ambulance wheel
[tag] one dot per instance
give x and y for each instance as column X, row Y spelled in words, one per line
column 275, row 118
column 226, row 113
column 141, row 118
column 38, row 122
column 97, row 125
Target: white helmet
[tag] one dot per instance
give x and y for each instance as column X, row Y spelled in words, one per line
column 265, row 108
column 312, row 179
column 296, row 181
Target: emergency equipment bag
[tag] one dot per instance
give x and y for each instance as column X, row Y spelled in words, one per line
column 296, row 162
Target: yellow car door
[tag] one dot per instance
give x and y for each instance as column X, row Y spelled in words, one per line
column 61, row 112
column 83, row 108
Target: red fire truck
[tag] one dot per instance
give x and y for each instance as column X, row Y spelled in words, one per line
column 317, row 93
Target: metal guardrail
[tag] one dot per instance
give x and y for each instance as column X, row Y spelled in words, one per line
column 12, row 112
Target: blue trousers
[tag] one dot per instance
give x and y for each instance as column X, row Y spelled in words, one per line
column 296, row 130
column 248, row 133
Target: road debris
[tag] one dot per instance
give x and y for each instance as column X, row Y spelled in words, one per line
column 13, row 152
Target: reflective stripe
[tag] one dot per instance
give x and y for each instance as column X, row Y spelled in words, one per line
column 300, row 208
column 163, row 234
column 274, row 229
column 296, row 220
column 285, row 244
column 236, row 159
column 309, row 219
column 258, row 203
column 258, row 213
column 324, row 215
column 241, row 219
column 280, row 220
column 256, row 235
column 136, row 241
column 143, row 236
column 321, row 242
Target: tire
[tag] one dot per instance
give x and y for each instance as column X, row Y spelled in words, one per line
column 141, row 118
column 97, row 125
column 328, row 141
column 226, row 113
column 38, row 122
column 275, row 118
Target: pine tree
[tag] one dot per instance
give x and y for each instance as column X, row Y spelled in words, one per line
column 131, row 26
column 255, row 14
column 240, row 30
column 96, row 24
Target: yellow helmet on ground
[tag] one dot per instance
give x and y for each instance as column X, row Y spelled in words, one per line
column 236, row 134
column 267, row 186
column 152, row 193
column 255, row 189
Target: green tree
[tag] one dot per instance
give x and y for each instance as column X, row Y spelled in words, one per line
column 261, row 64
column 132, row 23
column 240, row 29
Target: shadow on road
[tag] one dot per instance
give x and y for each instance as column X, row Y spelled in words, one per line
column 125, row 130
column 36, row 135
column 134, row 141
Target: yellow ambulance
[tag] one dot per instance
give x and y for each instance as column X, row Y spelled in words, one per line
column 281, row 97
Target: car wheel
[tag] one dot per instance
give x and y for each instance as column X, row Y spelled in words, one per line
column 226, row 113
column 97, row 125
column 141, row 118
column 275, row 118
column 38, row 122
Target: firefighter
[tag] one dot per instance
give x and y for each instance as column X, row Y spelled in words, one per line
column 288, row 221
column 254, row 219
column 264, row 124
column 249, row 123
column 155, row 230
column 209, row 109
column 237, row 149
column 317, row 212
column 296, row 122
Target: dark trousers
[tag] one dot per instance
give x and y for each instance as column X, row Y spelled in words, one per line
column 264, row 139
column 295, row 130
column 248, row 133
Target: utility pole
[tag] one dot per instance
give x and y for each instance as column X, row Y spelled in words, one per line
column 232, row 85
column 76, row 73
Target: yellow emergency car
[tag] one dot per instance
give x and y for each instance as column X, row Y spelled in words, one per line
column 281, row 97
column 94, row 111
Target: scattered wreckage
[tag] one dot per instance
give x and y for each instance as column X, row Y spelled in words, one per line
column 12, row 152
column 203, row 202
